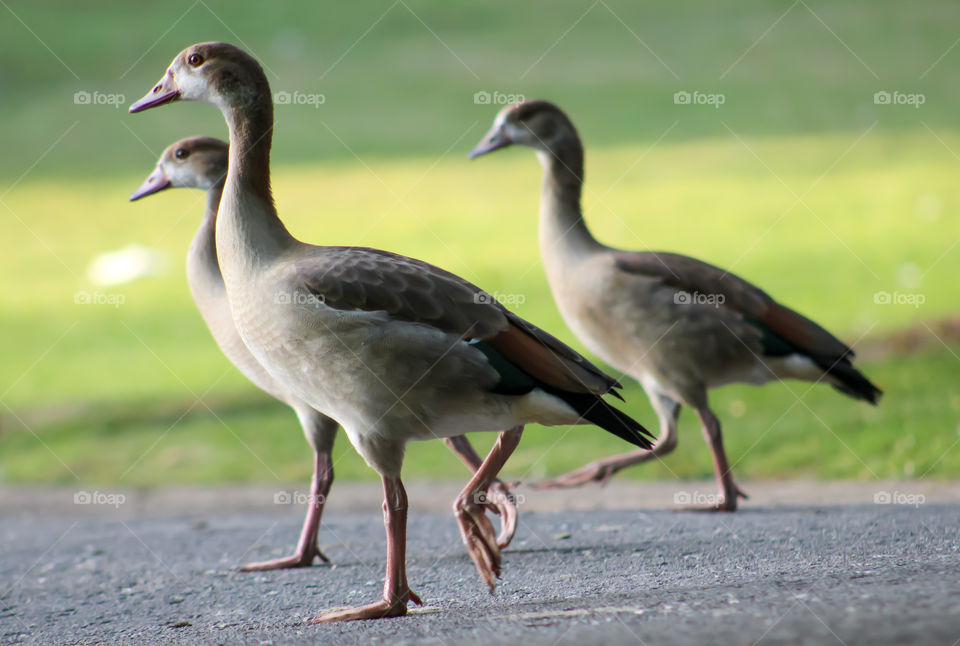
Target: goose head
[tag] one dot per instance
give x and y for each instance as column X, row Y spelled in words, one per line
column 215, row 73
column 535, row 124
column 196, row 162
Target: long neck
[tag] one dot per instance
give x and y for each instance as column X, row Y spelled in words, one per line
column 249, row 232
column 203, row 250
column 562, row 230
column 251, row 135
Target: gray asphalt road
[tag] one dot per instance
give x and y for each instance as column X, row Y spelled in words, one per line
column 860, row 574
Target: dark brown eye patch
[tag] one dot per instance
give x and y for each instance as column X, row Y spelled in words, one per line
column 195, row 60
column 181, row 153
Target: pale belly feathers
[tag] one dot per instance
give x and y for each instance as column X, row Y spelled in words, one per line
column 380, row 377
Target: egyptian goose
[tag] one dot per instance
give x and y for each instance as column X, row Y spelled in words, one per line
column 678, row 325
column 201, row 162
column 392, row 348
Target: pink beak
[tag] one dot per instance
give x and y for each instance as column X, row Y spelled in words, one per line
column 154, row 184
column 166, row 91
column 493, row 140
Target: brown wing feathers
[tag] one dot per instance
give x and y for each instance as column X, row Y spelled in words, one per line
column 407, row 289
column 802, row 332
column 567, row 375
column 415, row 291
column 789, row 329
column 691, row 275
column 548, row 359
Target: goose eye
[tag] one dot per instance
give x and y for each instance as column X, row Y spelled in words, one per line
column 196, row 60
column 181, row 153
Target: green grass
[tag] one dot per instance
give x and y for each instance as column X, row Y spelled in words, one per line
column 781, row 430
column 399, row 89
column 103, row 388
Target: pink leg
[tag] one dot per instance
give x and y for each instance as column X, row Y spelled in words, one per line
column 396, row 592
column 500, row 499
column 307, row 549
column 469, row 508
column 729, row 491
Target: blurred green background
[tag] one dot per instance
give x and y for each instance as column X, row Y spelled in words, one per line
column 799, row 181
